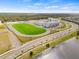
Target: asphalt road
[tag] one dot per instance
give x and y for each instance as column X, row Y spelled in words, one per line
column 14, row 40
column 65, row 50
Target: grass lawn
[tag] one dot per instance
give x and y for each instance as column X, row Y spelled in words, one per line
column 28, row 29
column 2, row 26
column 5, row 43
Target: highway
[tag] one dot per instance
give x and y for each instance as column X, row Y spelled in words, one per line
column 30, row 45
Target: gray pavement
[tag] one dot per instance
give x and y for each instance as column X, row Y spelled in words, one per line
column 14, row 40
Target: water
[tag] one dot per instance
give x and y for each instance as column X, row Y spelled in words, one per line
column 65, row 50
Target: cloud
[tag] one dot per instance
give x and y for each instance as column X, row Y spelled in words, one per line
column 38, row 7
column 27, row 0
column 38, row 4
column 37, row 11
column 54, row 1
column 52, row 7
column 65, row 8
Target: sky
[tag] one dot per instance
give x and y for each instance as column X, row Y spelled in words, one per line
column 39, row 6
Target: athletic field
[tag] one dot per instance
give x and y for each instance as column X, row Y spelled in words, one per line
column 28, row 29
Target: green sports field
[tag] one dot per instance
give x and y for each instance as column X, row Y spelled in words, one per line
column 28, row 29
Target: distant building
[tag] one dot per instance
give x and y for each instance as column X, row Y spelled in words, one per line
column 1, row 21
column 47, row 23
